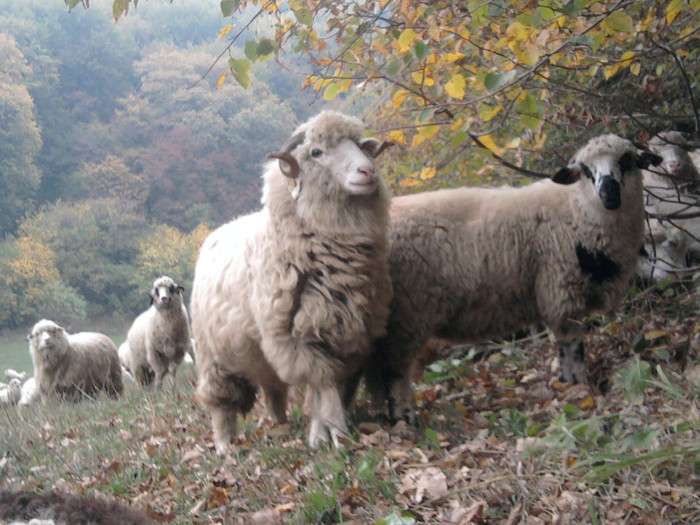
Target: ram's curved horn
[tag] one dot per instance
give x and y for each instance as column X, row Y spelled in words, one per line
column 289, row 165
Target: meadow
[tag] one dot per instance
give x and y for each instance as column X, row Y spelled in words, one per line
column 499, row 440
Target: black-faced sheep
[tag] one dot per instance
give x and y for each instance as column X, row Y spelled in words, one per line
column 472, row 264
column 72, row 366
column 295, row 293
column 159, row 338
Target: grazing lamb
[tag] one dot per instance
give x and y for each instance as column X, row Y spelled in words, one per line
column 159, row 338
column 471, row 264
column 295, row 293
column 11, row 393
column 71, row 366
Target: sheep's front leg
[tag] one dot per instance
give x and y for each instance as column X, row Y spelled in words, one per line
column 572, row 360
column 327, row 417
column 276, row 402
column 400, row 399
column 223, row 422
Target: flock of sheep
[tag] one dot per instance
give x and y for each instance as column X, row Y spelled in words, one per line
column 333, row 281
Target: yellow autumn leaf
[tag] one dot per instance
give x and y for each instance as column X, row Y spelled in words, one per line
column 449, row 58
column 417, row 140
column 636, row 68
column 672, row 9
column 651, row 335
column 456, row 87
column 487, row 140
column 610, row 70
column 225, row 31
column 419, row 77
column 627, row 56
column 427, row 173
column 407, row 183
column 489, row 112
column 398, row 98
column 221, row 80
column 397, row 136
column 406, row 39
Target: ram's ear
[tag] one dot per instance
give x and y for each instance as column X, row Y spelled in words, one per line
column 567, row 175
column 374, row 147
column 646, row 159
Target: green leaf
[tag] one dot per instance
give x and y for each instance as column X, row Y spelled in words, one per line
column 229, row 6
column 251, row 50
column 493, row 81
column 331, row 91
column 265, row 47
column 394, row 67
column 241, row 70
column 119, row 7
column 571, row 10
column 304, row 16
column 618, row 21
column 72, row 3
column 425, row 115
column 421, row 50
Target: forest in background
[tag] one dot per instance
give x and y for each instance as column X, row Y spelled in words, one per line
column 130, row 130
column 117, row 157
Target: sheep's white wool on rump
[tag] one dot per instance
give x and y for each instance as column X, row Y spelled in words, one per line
column 159, row 338
column 471, row 264
column 72, row 366
column 295, row 293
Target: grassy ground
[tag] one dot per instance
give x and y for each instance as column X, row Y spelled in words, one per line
column 499, row 441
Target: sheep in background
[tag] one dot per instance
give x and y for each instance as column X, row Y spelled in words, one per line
column 295, row 293
column 71, row 366
column 159, row 338
column 11, row 393
column 672, row 207
column 30, row 393
column 14, row 374
column 471, row 264
column 677, row 170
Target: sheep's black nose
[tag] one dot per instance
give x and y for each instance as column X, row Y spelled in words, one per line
column 609, row 192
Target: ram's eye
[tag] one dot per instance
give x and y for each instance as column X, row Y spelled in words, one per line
column 316, row 153
column 172, row 289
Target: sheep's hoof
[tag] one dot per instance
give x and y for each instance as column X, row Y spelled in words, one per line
column 320, row 430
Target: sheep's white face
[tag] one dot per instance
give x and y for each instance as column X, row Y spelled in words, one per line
column 165, row 293
column 46, row 341
column 676, row 160
column 351, row 164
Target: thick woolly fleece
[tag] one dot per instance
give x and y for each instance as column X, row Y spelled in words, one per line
column 472, row 264
column 72, row 366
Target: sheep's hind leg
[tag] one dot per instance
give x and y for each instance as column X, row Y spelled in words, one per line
column 327, row 417
column 572, row 360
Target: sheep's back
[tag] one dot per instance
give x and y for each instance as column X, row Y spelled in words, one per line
column 476, row 263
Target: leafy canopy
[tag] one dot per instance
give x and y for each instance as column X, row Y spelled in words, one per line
column 487, row 78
